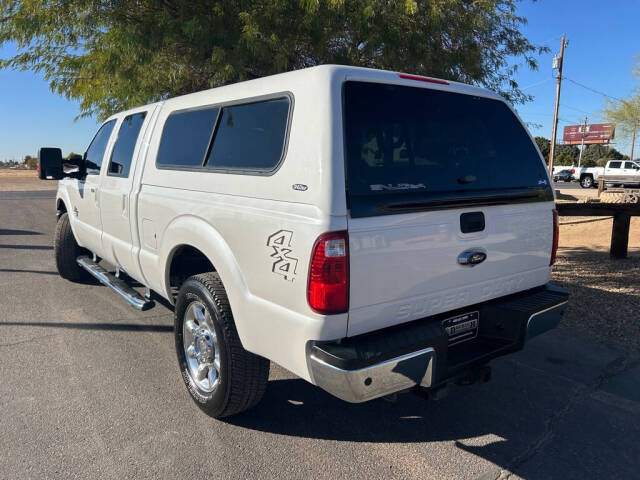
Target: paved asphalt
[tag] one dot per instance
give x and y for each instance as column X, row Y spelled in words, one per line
column 89, row 388
column 567, row 185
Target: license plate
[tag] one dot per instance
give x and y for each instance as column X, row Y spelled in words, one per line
column 462, row 327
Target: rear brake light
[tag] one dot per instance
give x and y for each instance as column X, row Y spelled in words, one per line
column 328, row 287
column 573, row 171
column 556, row 232
column 420, row 78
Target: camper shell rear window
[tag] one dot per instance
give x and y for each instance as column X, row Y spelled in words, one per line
column 414, row 149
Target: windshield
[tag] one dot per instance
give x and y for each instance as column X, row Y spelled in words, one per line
column 410, row 148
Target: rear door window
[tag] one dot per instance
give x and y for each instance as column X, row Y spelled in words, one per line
column 122, row 154
column 615, row 164
column 243, row 137
column 186, row 136
column 250, row 136
column 410, row 148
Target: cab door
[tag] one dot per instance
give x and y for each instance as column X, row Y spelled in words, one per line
column 629, row 169
column 85, row 194
column 116, row 188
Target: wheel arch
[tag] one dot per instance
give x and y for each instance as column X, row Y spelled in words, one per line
column 61, row 207
column 193, row 236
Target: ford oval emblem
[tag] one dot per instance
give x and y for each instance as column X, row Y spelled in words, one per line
column 300, row 187
column 472, row 257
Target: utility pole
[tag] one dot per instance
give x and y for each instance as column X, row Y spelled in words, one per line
column 557, row 63
column 633, row 140
column 584, row 133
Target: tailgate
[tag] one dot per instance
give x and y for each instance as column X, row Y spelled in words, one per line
column 405, row 267
column 434, row 177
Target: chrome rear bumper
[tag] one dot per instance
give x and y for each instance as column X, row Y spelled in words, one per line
column 349, row 369
column 384, row 378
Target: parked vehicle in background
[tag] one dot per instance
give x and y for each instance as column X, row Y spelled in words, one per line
column 587, row 176
column 616, row 172
column 622, row 172
column 563, row 176
column 360, row 228
column 559, row 168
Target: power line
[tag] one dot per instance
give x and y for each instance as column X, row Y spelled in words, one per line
column 592, row 89
column 536, row 84
column 574, row 108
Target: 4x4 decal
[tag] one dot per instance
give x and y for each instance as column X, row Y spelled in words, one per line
column 284, row 264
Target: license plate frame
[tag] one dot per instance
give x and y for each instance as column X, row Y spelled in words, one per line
column 462, row 328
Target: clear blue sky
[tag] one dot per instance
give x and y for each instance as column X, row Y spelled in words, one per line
column 604, row 44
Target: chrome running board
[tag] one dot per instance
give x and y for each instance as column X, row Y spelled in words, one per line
column 118, row 285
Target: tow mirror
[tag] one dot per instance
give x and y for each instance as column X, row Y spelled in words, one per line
column 50, row 164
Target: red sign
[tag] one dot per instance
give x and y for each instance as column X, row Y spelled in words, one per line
column 594, row 133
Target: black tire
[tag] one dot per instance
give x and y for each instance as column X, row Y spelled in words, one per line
column 586, row 181
column 243, row 375
column 66, row 250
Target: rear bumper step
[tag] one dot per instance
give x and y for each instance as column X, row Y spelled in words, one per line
column 116, row 284
column 368, row 366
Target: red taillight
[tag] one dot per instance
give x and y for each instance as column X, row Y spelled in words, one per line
column 556, row 232
column 573, row 171
column 420, row 78
column 328, row 287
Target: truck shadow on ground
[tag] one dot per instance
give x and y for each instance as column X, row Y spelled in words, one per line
column 515, row 422
column 27, row 247
column 296, row 408
column 122, row 327
column 7, row 231
column 19, row 270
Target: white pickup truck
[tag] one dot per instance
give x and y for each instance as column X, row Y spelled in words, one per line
column 616, row 172
column 361, row 228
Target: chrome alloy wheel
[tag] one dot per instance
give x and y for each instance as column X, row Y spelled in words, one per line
column 201, row 348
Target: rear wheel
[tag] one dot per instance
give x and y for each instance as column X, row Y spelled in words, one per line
column 66, row 250
column 221, row 376
column 586, row 181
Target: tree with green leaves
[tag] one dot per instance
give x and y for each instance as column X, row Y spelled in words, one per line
column 626, row 115
column 112, row 55
column 30, row 162
column 544, row 145
column 599, row 155
column 565, row 154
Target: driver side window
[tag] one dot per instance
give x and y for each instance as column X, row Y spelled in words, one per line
column 95, row 152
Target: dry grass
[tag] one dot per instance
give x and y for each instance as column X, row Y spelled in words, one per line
column 10, row 173
column 17, row 180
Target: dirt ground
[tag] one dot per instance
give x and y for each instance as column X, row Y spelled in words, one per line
column 605, row 293
column 594, row 233
column 20, row 180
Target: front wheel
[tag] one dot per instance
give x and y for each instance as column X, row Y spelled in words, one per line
column 66, row 250
column 586, row 181
column 221, row 376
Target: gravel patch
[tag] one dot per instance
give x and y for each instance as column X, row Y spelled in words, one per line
column 605, row 295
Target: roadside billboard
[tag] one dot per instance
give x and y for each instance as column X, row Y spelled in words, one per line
column 594, row 133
